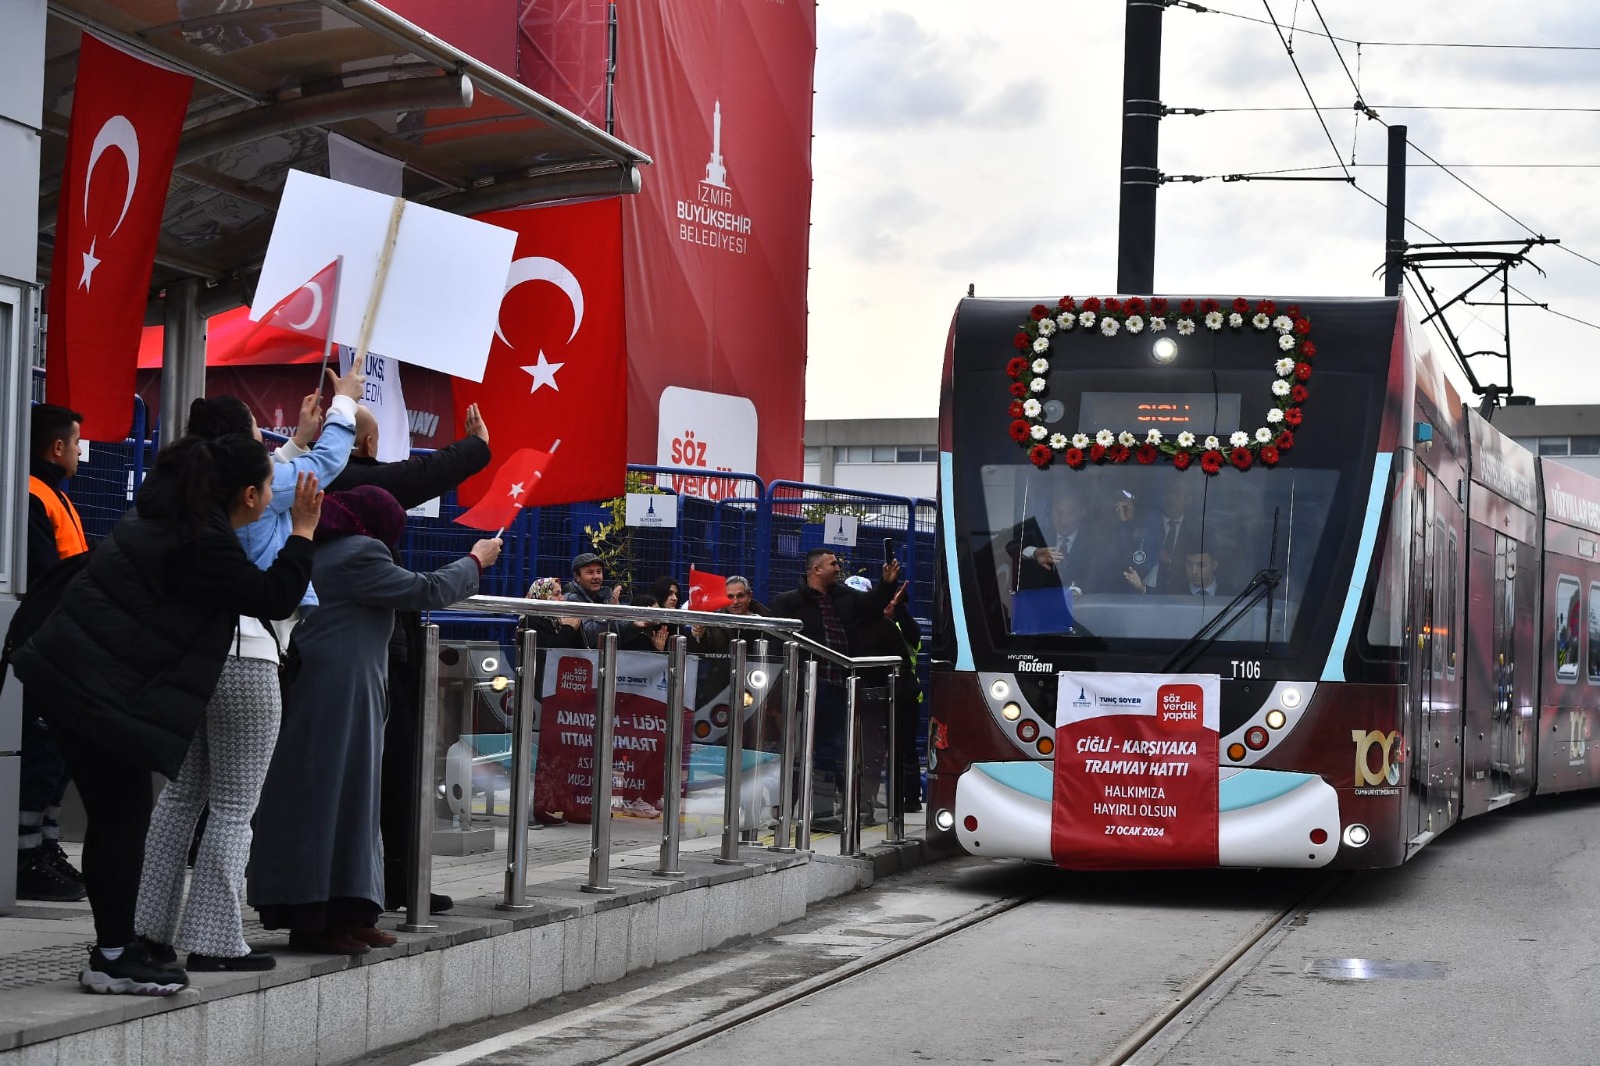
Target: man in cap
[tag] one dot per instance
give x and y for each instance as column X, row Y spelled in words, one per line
column 588, row 585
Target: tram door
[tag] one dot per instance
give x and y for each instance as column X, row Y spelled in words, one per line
column 1508, row 759
column 1419, row 713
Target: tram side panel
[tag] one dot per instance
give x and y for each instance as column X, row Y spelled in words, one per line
column 1569, row 661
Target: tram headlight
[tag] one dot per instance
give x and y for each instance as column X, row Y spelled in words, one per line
column 1012, row 711
column 758, row 679
column 944, row 820
column 1290, row 698
column 1276, row 719
column 1000, row 689
column 1356, row 835
column 1164, row 350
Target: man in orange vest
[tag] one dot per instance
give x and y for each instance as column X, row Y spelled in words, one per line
column 55, row 532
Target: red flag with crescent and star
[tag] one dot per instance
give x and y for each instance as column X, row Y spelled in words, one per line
column 707, row 592
column 307, row 310
column 514, row 482
column 127, row 116
column 558, row 365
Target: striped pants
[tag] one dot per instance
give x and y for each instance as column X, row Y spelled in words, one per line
column 226, row 766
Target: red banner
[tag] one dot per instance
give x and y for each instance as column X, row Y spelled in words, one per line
column 127, row 116
column 718, row 92
column 1136, row 771
column 564, row 772
column 557, row 365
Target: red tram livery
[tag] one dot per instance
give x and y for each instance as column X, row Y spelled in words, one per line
column 1242, row 582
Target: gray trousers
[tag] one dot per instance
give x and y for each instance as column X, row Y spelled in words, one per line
column 226, row 766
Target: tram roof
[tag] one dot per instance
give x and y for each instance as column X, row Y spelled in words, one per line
column 272, row 79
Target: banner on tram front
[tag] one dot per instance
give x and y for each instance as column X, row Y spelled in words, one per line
column 1135, row 771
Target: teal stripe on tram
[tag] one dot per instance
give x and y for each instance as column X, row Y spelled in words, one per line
column 1333, row 669
column 1250, row 787
column 1036, row 779
column 952, row 573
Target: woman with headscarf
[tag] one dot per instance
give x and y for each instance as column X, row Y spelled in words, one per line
column 131, row 655
column 317, row 865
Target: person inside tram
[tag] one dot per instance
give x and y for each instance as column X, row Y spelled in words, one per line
column 1057, row 551
column 1173, row 531
column 1201, row 569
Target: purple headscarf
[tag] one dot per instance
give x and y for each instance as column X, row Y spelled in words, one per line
column 364, row 511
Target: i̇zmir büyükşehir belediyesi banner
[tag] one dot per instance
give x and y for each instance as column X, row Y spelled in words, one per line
column 1135, row 771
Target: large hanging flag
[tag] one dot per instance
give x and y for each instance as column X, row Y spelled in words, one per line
column 127, row 116
column 557, row 366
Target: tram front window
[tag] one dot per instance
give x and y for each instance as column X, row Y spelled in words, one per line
column 1128, row 553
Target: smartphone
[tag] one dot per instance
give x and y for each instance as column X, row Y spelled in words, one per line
column 888, row 550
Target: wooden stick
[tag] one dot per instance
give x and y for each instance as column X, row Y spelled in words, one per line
column 327, row 340
column 378, row 280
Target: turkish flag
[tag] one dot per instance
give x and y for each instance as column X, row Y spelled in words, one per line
column 557, row 366
column 707, row 592
column 510, row 489
column 307, row 310
column 127, row 116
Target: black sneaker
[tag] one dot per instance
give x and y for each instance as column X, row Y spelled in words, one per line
column 161, row 954
column 38, row 878
column 133, row 972
column 59, row 862
column 256, row 960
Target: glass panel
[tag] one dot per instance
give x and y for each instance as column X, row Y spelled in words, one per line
column 1594, row 633
column 1565, row 617
column 813, row 455
column 857, row 454
column 908, row 455
column 1553, row 446
column 883, row 453
column 1585, row 445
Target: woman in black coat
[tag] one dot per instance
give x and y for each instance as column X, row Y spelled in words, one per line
column 129, row 659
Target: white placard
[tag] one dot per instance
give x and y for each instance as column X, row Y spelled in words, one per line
column 447, row 274
column 426, row 509
column 652, row 510
column 840, row 530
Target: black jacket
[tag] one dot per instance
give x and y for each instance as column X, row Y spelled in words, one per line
column 417, row 480
column 134, row 650
column 856, row 609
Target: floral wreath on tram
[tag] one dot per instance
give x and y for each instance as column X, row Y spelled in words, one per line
column 1107, row 316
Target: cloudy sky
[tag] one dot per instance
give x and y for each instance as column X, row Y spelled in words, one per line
column 961, row 143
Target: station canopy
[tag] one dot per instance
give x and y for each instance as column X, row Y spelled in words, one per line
column 274, row 77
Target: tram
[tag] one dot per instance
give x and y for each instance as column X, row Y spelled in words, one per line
column 1243, row 582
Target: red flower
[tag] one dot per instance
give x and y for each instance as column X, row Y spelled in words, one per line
column 1113, row 304
column 1039, row 455
column 1240, row 458
column 1187, row 307
column 1021, row 341
column 1293, row 310
column 1136, row 306
column 1147, row 454
column 1308, row 348
column 1181, row 460
column 1158, row 305
column 1209, row 305
column 1302, row 326
column 1018, row 365
column 1117, row 453
column 1302, row 371
column 1285, row 441
column 1067, row 303
column 1019, row 390
column 1097, row 453
column 1267, row 307
column 1019, row 430
column 1039, row 311
column 1241, row 305
column 1092, row 304
column 1211, row 462
column 1016, row 409
column 1298, row 394
column 1074, row 458
column 1269, row 455
column 1292, row 416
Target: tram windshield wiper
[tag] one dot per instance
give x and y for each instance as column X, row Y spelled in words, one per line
column 1258, row 588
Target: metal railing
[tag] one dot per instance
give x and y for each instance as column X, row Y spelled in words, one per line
column 797, row 742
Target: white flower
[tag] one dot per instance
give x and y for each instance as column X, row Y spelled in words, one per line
column 1264, row 435
column 1235, row 320
column 1239, row 439
column 1157, row 324
column 1038, row 432
column 1185, row 326
column 1041, row 344
column 1283, row 323
column 1066, row 320
column 1274, row 416
column 1284, row 367
column 1135, row 324
column 1153, row 437
column 1125, row 439
column 1046, row 327
column 1109, row 326
column 1260, row 321
column 1286, row 342
column 1037, row 385
column 1031, row 408
column 1212, row 444
column 1040, row 366
column 1080, row 440
column 1105, row 438
column 1086, row 319
column 1058, row 441
column 1186, row 439
column 1213, row 320
column 1280, row 388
